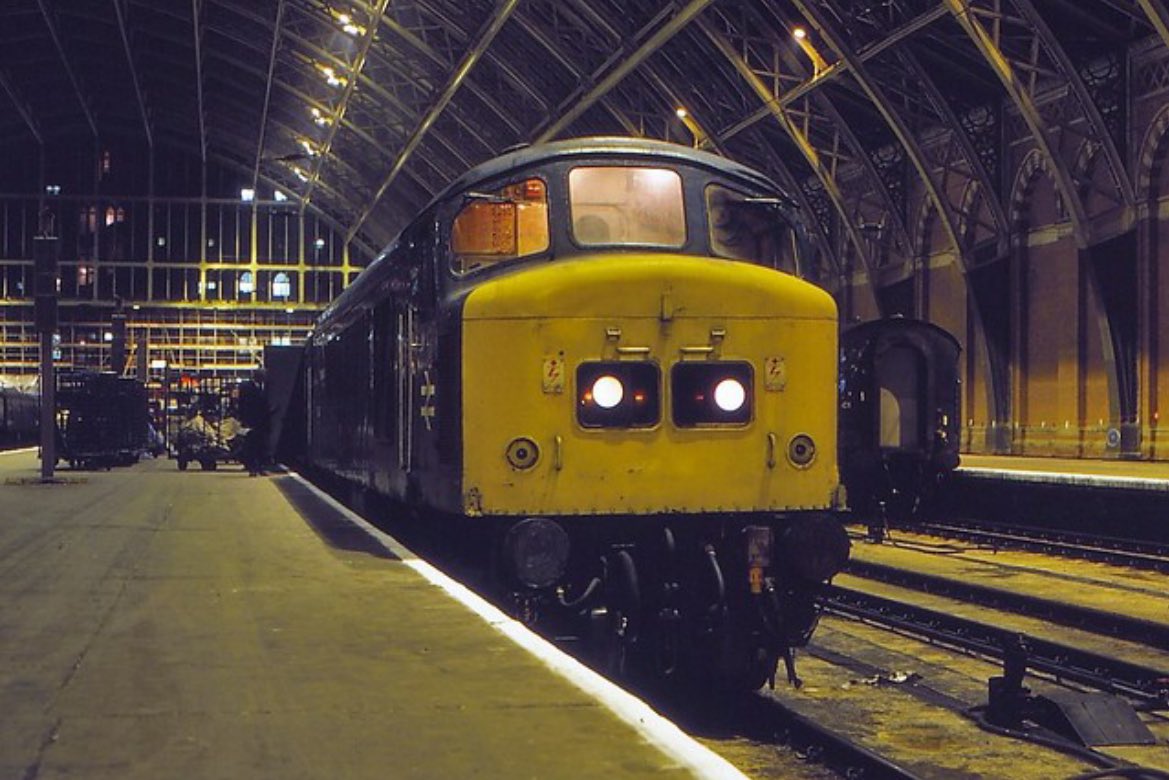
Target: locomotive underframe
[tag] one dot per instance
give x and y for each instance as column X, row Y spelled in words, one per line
column 697, row 596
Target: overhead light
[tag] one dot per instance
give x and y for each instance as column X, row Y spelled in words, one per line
column 691, row 125
column 247, row 194
column 300, row 174
column 279, row 196
column 331, row 77
column 819, row 64
column 320, row 118
column 307, row 145
column 349, row 26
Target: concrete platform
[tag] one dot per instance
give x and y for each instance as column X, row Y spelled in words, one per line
column 1118, row 474
column 166, row 624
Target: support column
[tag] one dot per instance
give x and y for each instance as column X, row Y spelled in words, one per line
column 45, row 288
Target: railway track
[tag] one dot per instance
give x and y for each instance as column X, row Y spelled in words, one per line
column 1098, row 621
column 1146, row 685
column 767, row 719
column 1103, row 549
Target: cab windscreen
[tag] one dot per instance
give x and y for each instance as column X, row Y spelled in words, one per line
column 615, row 394
column 711, row 393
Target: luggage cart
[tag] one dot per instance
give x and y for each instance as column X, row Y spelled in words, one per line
column 202, row 424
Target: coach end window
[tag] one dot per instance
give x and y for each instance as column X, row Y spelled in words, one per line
column 496, row 227
column 615, row 206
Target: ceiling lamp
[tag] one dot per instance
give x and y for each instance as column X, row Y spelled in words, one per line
column 348, row 25
column 819, row 64
column 331, row 77
column 321, row 119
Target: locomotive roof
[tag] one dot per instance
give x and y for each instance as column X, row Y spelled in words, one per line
column 541, row 154
column 535, row 156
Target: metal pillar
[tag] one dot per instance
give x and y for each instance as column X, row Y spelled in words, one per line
column 48, row 408
column 45, row 279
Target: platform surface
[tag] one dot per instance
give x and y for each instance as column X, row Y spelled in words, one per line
column 1104, row 473
column 166, row 624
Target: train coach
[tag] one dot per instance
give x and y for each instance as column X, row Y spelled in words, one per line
column 19, row 417
column 900, row 408
column 591, row 366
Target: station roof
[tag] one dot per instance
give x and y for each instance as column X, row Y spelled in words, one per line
column 366, row 109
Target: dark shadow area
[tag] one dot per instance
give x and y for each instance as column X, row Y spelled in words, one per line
column 327, row 521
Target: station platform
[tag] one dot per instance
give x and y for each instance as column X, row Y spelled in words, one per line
column 203, row 624
column 1120, row 474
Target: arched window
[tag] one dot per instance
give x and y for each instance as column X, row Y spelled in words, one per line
column 281, row 286
column 247, row 283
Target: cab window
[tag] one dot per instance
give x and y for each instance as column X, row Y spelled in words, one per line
column 744, row 228
column 499, row 226
column 615, row 206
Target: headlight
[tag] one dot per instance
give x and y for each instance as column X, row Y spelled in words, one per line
column 730, row 395
column 712, row 393
column 608, row 391
column 618, row 394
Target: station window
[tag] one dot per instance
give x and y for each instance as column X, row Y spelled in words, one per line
column 745, row 228
column 496, row 227
column 281, row 286
column 616, row 206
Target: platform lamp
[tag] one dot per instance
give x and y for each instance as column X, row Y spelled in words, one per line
column 46, row 251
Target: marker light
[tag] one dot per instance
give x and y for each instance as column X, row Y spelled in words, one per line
column 730, row 395
column 608, row 391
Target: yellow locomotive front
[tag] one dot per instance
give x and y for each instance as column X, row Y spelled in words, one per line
column 647, row 403
column 631, row 383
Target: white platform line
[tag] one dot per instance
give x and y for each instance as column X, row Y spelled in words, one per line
column 23, row 451
column 655, row 729
column 1067, row 478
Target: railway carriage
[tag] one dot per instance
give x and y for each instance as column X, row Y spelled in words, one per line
column 19, row 417
column 900, row 408
column 591, row 364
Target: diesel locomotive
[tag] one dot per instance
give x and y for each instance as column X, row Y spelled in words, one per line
column 590, row 365
column 900, row 408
